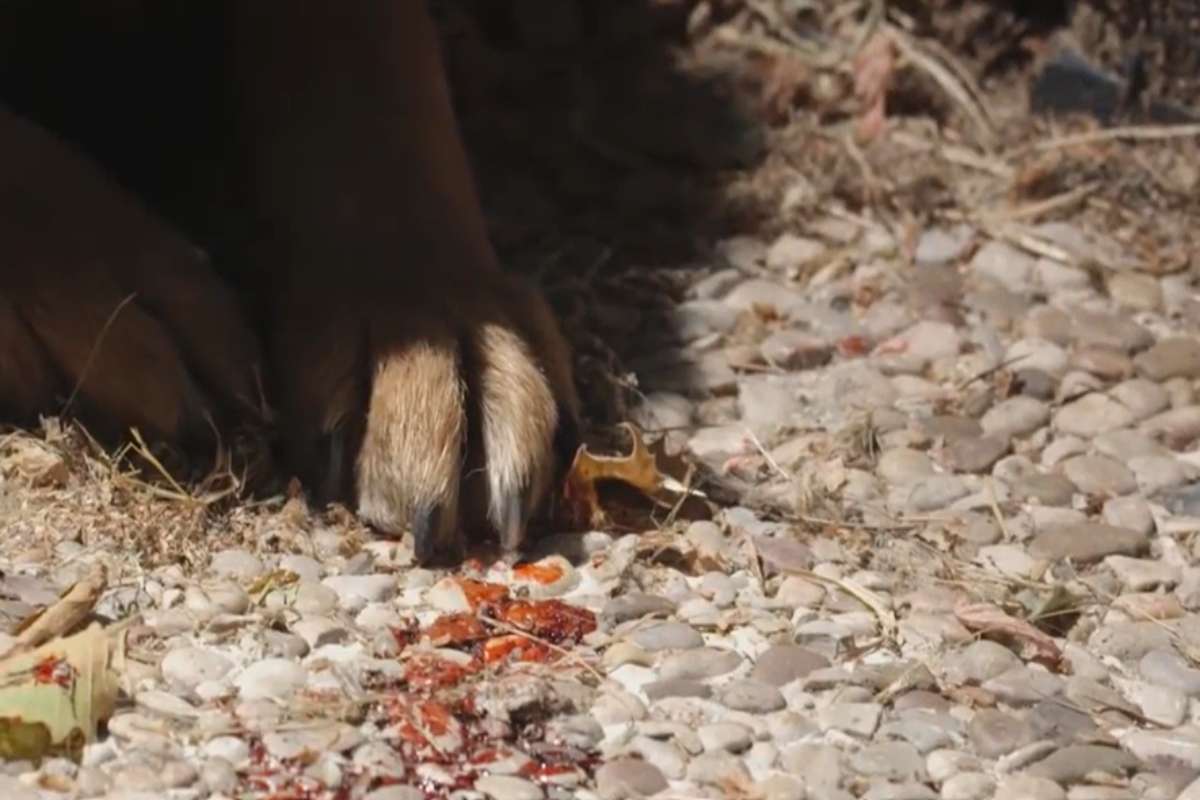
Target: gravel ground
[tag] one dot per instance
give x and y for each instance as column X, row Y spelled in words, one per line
column 951, row 448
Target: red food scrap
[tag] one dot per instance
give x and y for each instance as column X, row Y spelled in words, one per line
column 552, row 620
column 428, row 671
column 455, row 630
column 482, row 593
column 515, row 648
column 544, row 574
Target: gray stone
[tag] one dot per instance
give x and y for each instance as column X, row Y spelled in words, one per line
column 1165, row 667
column 624, row 778
column 783, row 664
column 698, row 664
column 994, row 733
column 1017, row 416
column 1092, row 415
column 1177, row 357
column 635, row 605
column 1099, row 475
column 892, row 761
column 667, row 636
column 1143, row 398
column 1087, row 542
column 752, row 696
column 978, row 662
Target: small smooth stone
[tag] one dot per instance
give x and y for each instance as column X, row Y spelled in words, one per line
column 783, row 664
column 1143, row 398
column 1165, row 667
column 1179, row 747
column 935, row 493
column 1161, row 704
column 860, row 719
column 902, row 466
column 1034, row 383
column 1048, row 489
column 355, row 591
column 718, row 769
column 1136, row 291
column 236, row 564
column 218, row 776
column 1130, row 512
column 994, row 733
column 185, row 667
column 1104, row 362
column 892, row 761
column 726, row 736
column 1176, row 428
column 1129, row 641
column 1038, row 354
column 978, row 662
column 1028, row 787
column 1177, row 357
column 656, row 690
column 635, row 605
column 628, row 778
column 968, row 786
column 974, row 454
column 1087, row 542
column 698, row 664
column 1099, row 475
column 752, row 696
column 1092, row 415
column 271, row 678
column 1158, row 474
column 1072, row 764
column 508, row 787
column 667, row 636
column 1140, row 574
column 1015, row 417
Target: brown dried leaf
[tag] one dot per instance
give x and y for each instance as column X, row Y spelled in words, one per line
column 989, row 619
column 638, row 469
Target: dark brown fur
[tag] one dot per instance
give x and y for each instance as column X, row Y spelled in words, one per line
column 413, row 376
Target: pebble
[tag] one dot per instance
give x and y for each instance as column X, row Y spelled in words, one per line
column 508, row 787
column 1175, row 357
column 1017, row 416
column 186, row 667
column 1092, row 415
column 270, row 678
column 1087, row 542
column 236, row 564
column 752, row 696
column 624, row 778
column 667, row 636
column 994, row 733
column 1099, row 475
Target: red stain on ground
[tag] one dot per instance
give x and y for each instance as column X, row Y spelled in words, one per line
column 430, row 717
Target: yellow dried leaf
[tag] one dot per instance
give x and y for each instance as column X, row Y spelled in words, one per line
column 53, row 699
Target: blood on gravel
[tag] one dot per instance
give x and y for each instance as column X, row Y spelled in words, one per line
column 429, row 715
column 455, row 630
column 552, row 620
column 480, row 593
column 515, row 648
column 544, row 574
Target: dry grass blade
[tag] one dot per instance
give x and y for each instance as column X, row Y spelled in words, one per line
column 951, row 85
column 1143, row 133
column 889, row 628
